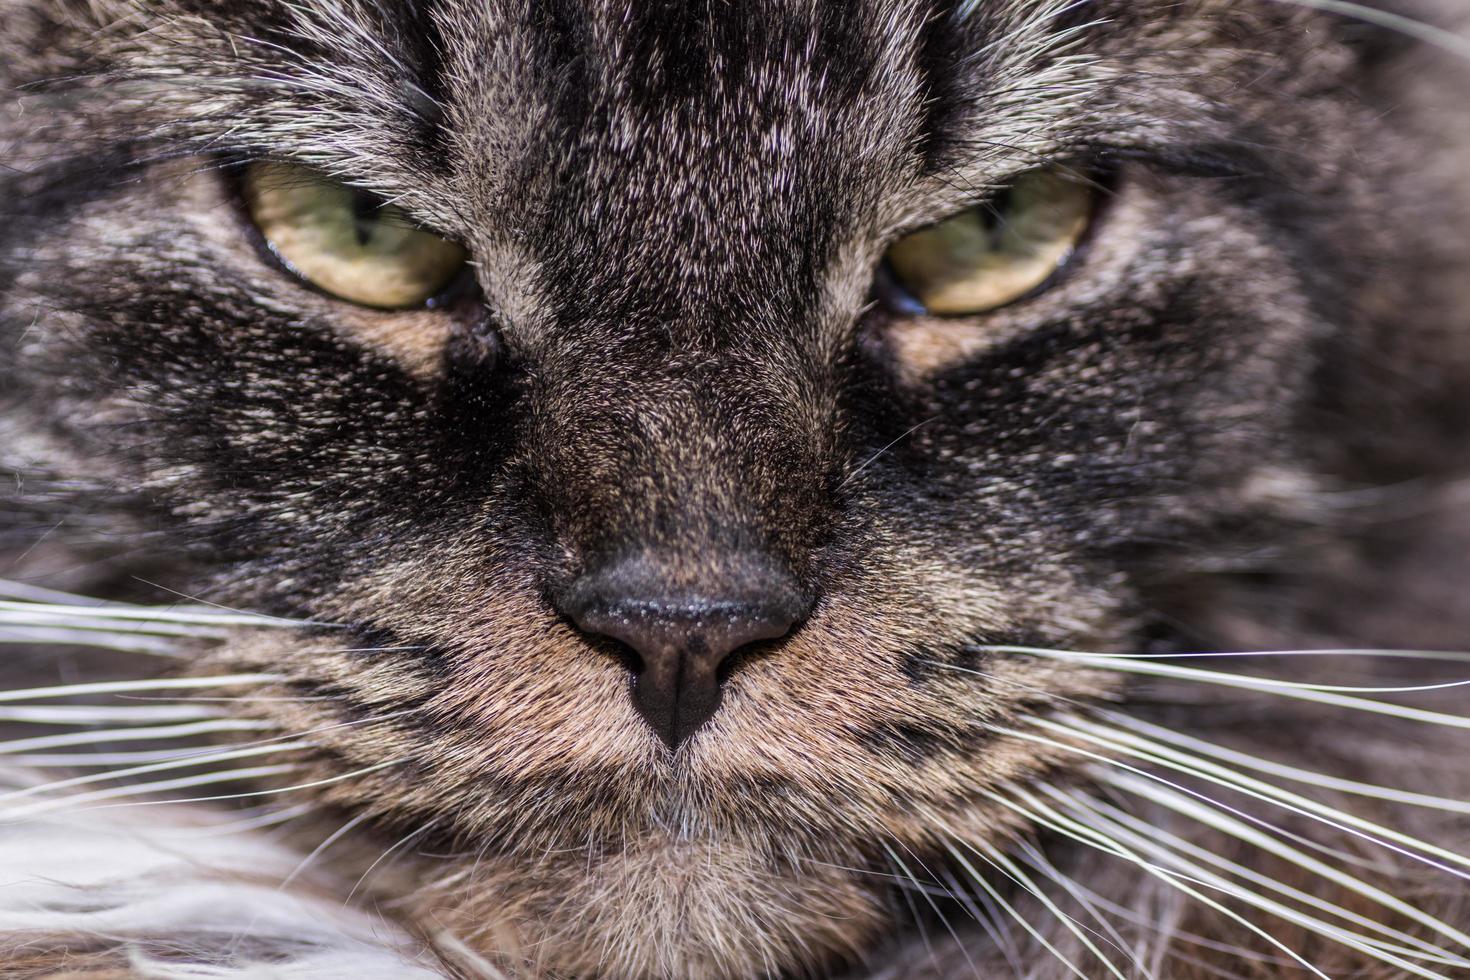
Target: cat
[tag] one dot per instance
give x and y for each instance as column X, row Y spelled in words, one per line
column 789, row 489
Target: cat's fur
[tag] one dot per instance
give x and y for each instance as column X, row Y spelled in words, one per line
column 1236, row 422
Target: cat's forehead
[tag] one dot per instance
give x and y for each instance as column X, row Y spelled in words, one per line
column 667, row 163
column 459, row 108
column 695, row 150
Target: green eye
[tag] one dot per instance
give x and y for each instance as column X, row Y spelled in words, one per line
column 995, row 254
column 347, row 242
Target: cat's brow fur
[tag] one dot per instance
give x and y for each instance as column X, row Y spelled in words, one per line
column 675, row 212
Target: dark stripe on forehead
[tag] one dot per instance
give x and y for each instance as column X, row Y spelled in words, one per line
column 942, row 44
column 705, row 156
column 423, row 94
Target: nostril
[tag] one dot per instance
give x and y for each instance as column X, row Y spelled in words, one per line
column 684, row 642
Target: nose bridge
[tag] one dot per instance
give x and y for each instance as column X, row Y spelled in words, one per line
column 680, row 495
column 677, row 460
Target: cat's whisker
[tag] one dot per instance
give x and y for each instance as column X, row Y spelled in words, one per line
column 1125, row 743
column 1040, row 814
column 183, row 757
column 928, row 897
column 1337, row 819
column 89, row 760
column 26, row 592
column 89, row 714
column 19, row 611
column 391, row 849
column 272, row 817
column 1240, row 831
column 998, row 860
column 131, row 642
column 991, row 920
column 95, row 736
column 144, row 789
column 336, row 835
column 1374, row 864
column 1357, row 941
column 116, row 687
column 895, row 877
column 208, row 607
column 996, row 928
column 84, row 625
column 1320, row 694
column 1449, row 656
column 1222, row 753
column 401, row 648
column 1171, row 932
column 1089, row 902
column 912, row 885
column 241, row 699
column 1159, row 847
column 187, row 762
column 858, row 470
column 78, row 801
column 996, row 897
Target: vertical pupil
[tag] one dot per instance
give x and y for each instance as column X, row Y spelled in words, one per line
column 364, row 216
column 997, row 213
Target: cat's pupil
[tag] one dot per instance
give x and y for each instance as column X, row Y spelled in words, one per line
column 996, row 214
column 365, row 216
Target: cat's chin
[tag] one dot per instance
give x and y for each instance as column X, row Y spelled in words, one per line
column 657, row 909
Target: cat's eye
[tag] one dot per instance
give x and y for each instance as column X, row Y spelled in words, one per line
column 347, row 242
column 997, row 253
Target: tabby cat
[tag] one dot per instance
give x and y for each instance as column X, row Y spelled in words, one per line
column 793, row 488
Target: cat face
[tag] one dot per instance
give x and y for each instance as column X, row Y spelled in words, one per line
column 664, row 554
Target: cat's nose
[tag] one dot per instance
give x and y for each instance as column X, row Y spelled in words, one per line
column 685, row 639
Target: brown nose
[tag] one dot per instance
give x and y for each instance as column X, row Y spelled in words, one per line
column 684, row 639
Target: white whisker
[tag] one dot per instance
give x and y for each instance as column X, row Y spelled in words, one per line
column 1243, row 832
column 996, row 897
column 88, row 714
column 1149, row 844
column 316, row 852
column 86, row 622
column 1408, row 26
column 44, row 742
column 1129, row 744
column 268, row 819
column 143, row 789
column 1040, row 814
column 1033, row 856
column 143, row 770
column 905, row 876
column 325, row 781
column 1306, row 692
column 88, row 760
column 1290, row 772
column 1009, row 868
column 146, row 614
column 114, row 687
column 411, row 835
column 130, row 642
column 215, row 608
